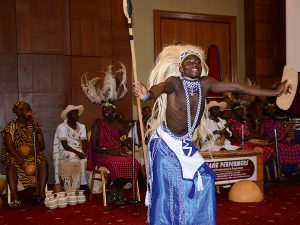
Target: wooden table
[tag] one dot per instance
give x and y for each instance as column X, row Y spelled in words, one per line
column 234, row 165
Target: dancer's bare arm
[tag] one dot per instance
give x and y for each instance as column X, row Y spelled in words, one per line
column 139, row 89
column 221, row 87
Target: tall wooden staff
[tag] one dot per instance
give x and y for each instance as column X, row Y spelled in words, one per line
column 127, row 7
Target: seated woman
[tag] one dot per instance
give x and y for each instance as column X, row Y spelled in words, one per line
column 243, row 133
column 288, row 151
column 18, row 153
column 107, row 148
column 219, row 139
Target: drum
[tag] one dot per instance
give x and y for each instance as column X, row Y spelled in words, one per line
column 70, row 175
column 258, row 141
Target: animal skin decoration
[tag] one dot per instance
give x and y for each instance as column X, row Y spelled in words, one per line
column 243, row 99
column 112, row 89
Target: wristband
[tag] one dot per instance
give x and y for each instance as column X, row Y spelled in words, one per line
column 147, row 96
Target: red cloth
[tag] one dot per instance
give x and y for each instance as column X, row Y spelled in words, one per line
column 288, row 154
column 119, row 166
column 237, row 126
column 213, row 63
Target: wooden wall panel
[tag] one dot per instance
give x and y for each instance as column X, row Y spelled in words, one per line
column 263, row 13
column 264, row 67
column 7, row 32
column 25, row 72
column 23, row 7
column 265, row 40
column 264, row 49
column 41, row 26
column 263, row 32
column 8, row 72
column 23, row 33
column 91, row 38
column 120, row 41
column 91, row 28
column 48, row 8
column 92, row 9
column 8, row 86
column 184, row 32
column 48, row 35
column 48, row 73
column 7, row 6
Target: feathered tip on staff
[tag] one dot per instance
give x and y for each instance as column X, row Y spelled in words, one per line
column 127, row 7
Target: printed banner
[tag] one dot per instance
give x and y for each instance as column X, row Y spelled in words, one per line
column 231, row 170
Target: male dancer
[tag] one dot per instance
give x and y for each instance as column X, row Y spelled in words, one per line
column 181, row 185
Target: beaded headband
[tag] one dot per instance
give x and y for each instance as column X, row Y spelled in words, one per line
column 107, row 104
column 185, row 54
column 237, row 107
column 269, row 105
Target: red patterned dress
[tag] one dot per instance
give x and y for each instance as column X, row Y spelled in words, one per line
column 119, row 166
column 288, row 154
column 236, row 125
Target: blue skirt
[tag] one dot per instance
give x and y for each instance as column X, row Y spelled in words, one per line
column 170, row 194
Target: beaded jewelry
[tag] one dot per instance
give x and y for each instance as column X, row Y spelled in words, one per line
column 191, row 87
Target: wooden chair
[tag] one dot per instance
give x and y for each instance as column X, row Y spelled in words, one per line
column 104, row 172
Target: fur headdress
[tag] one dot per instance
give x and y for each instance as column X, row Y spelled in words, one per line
column 112, row 89
column 167, row 64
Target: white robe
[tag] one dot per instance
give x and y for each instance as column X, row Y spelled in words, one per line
column 211, row 144
column 74, row 138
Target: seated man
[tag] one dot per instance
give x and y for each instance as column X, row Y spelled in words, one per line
column 219, row 138
column 107, row 148
column 70, row 141
column 243, row 134
column 18, row 153
column 288, row 151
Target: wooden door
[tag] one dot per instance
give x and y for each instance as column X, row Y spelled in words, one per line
column 201, row 30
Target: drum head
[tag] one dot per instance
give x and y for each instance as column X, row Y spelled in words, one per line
column 285, row 100
column 258, row 141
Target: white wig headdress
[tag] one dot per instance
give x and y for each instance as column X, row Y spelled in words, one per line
column 167, row 64
column 111, row 90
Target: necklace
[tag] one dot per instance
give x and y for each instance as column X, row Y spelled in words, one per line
column 190, row 89
column 191, row 86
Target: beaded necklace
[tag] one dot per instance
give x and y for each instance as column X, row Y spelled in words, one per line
column 191, row 87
